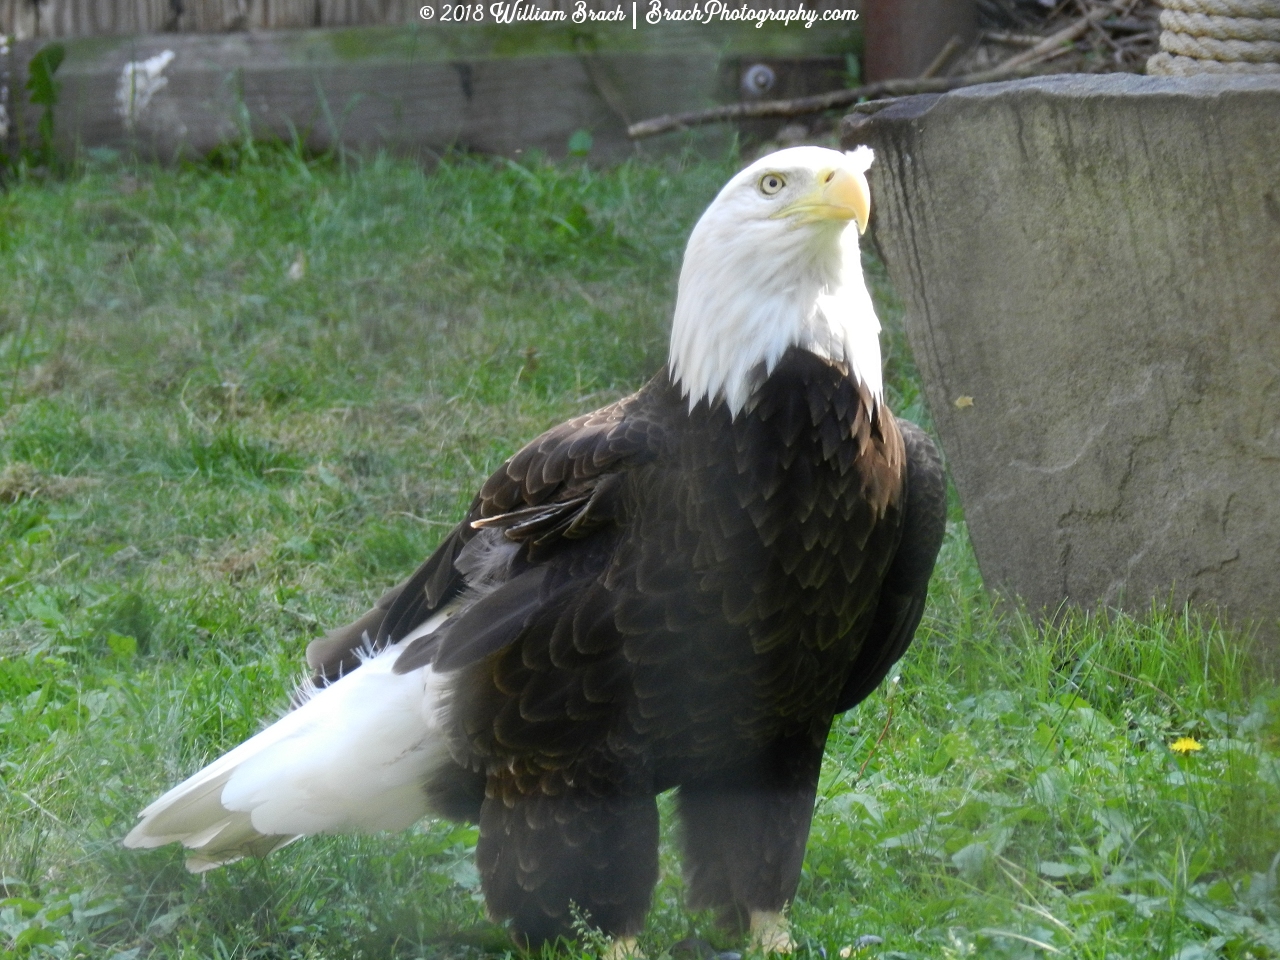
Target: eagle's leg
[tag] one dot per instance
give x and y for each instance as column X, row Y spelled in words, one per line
column 744, row 833
column 559, row 850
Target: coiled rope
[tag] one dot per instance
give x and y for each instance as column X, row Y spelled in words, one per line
column 1217, row 36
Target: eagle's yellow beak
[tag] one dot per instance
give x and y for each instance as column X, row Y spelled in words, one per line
column 839, row 195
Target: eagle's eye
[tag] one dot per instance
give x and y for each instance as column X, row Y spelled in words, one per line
column 771, row 183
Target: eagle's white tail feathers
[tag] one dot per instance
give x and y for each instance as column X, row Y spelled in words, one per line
column 352, row 758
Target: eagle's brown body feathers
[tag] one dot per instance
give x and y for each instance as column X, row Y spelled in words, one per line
column 688, row 600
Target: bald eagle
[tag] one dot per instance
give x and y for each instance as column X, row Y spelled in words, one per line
column 679, row 590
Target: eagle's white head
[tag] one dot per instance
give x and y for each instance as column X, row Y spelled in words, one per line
column 773, row 264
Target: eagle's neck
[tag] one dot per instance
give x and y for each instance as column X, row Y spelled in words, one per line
column 739, row 310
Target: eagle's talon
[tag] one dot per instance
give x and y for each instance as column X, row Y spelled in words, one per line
column 623, row 948
column 771, row 932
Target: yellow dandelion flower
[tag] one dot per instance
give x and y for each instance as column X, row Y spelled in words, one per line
column 1185, row 745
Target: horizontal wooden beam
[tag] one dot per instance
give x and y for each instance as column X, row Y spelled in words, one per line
column 409, row 91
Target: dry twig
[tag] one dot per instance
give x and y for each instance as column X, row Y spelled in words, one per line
column 949, row 50
column 1056, row 43
column 817, row 103
column 1018, row 65
column 1012, row 39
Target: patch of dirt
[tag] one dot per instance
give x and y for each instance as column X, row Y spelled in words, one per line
column 22, row 480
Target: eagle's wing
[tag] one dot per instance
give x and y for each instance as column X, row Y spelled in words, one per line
column 902, row 596
column 559, row 487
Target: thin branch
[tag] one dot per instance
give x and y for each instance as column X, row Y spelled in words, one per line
column 944, row 56
column 1018, row 65
column 1054, row 43
column 816, row 104
column 1012, row 39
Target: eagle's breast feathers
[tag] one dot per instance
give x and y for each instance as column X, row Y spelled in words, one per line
column 681, row 585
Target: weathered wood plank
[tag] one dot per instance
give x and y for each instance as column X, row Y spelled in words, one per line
column 414, row 92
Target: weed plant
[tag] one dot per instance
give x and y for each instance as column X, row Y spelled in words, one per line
column 239, row 400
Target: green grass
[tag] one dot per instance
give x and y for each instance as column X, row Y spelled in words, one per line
column 237, row 403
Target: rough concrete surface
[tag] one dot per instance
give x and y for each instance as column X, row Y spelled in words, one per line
column 1095, row 262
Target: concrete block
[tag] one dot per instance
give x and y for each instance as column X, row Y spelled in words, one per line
column 1091, row 273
